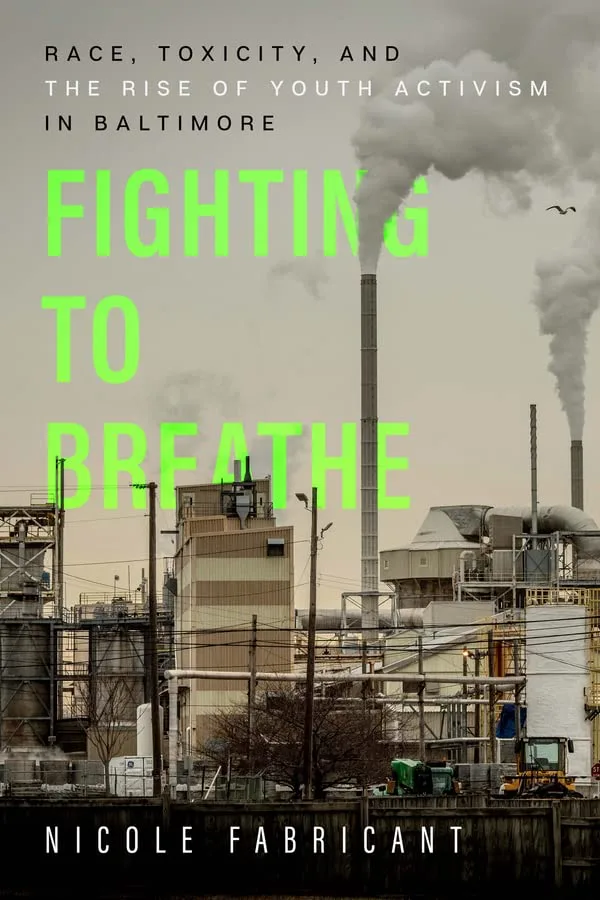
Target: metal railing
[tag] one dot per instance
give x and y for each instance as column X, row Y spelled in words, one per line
column 218, row 508
column 207, row 786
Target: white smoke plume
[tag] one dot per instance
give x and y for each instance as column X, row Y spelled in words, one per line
column 209, row 401
column 400, row 139
column 310, row 273
column 188, row 396
column 567, row 296
column 205, row 399
column 513, row 142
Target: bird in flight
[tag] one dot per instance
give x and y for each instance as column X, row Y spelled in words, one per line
column 562, row 212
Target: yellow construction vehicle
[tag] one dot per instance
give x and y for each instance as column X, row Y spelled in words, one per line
column 541, row 769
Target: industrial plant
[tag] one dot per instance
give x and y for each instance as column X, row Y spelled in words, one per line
column 483, row 638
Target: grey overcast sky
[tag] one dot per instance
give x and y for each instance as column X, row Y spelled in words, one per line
column 460, row 354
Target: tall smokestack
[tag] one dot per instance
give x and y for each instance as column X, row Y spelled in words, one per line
column 577, row 474
column 368, row 458
column 534, row 488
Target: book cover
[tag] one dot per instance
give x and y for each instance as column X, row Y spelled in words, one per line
column 299, row 569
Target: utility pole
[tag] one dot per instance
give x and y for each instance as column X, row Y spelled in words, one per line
column 477, row 750
column 421, row 705
column 252, row 697
column 310, row 662
column 492, row 699
column 58, row 585
column 364, row 671
column 61, row 536
column 153, row 640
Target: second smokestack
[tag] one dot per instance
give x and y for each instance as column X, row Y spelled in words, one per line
column 577, row 474
column 368, row 458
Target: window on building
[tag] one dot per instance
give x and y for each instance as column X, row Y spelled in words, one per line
column 423, row 561
column 187, row 504
column 410, row 687
column 275, row 547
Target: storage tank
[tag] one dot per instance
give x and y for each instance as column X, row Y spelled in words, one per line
column 144, row 730
column 25, row 663
column 119, row 655
column 557, row 678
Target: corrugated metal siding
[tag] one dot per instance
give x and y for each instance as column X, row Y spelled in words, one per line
column 206, row 525
column 250, row 594
column 206, row 571
column 430, row 570
column 226, row 577
column 247, row 543
column 398, row 565
column 218, row 615
column 229, row 651
column 223, row 525
column 449, row 562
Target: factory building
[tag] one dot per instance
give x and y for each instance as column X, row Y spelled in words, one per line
column 108, row 662
column 29, row 635
column 232, row 562
column 62, row 668
column 506, row 592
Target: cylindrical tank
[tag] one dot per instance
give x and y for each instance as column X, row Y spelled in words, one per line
column 120, row 656
column 144, row 730
column 557, row 678
column 25, row 662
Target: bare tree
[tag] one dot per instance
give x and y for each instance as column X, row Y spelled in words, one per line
column 106, row 712
column 349, row 740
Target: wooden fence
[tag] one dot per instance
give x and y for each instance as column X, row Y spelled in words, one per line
column 575, row 826
column 517, row 847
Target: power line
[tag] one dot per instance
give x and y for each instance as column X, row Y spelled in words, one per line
column 209, row 554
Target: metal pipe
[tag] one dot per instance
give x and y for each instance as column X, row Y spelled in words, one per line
column 421, row 704
column 173, row 732
column 174, row 675
column 334, row 620
column 153, row 636
column 344, row 677
column 213, row 782
column 459, row 701
column 368, row 457
column 564, row 519
column 577, row 474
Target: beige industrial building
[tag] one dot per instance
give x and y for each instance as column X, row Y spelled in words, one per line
column 232, row 562
column 479, row 590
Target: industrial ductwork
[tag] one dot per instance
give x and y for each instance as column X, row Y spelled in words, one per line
column 332, row 620
column 558, row 518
